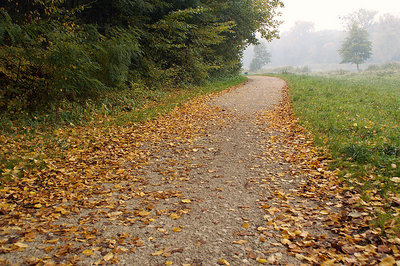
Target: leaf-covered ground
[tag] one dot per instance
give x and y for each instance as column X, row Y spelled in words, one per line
column 217, row 181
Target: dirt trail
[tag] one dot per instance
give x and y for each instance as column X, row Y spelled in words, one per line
column 216, row 184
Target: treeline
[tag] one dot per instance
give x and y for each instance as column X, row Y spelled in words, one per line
column 52, row 51
column 302, row 45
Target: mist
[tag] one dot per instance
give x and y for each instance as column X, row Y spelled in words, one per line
column 317, row 50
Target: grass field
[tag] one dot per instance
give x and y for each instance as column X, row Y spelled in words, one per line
column 356, row 116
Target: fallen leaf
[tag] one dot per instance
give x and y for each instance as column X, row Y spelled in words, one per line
column 87, row 252
column 157, row 253
column 21, row 245
column 223, row 262
column 240, row 242
column 174, row 216
column 108, row 257
column 262, row 261
column 395, row 179
column 388, row 261
column 329, row 262
column 246, row 225
column 143, row 213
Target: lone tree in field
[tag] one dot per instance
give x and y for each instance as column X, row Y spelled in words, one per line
column 261, row 57
column 357, row 47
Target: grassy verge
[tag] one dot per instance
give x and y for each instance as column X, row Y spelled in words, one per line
column 357, row 117
column 171, row 99
column 27, row 142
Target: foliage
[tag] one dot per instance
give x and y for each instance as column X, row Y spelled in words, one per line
column 58, row 53
column 261, row 57
column 357, row 48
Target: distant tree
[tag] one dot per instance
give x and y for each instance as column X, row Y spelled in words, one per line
column 364, row 18
column 357, row 47
column 261, row 57
column 385, row 36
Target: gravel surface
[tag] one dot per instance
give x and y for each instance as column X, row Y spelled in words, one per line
column 202, row 198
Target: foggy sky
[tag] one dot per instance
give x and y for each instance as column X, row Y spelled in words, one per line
column 325, row 13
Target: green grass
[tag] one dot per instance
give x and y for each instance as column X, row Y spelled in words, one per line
column 133, row 104
column 357, row 117
column 169, row 100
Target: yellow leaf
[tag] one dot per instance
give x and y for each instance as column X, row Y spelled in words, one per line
column 38, row 205
column 49, row 249
column 168, row 263
column 157, row 253
column 174, row 216
column 52, row 241
column 21, row 245
column 143, row 213
column 246, row 225
column 87, row 252
column 108, row 257
column 286, row 241
column 388, row 261
column 328, row 263
column 175, row 229
column 186, row 201
column 261, row 260
column 223, row 262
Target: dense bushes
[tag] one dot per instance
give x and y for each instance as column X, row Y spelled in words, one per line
column 74, row 50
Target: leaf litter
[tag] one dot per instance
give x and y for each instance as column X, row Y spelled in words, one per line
column 205, row 184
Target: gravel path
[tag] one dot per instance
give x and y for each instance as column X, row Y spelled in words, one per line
column 215, row 188
column 225, row 168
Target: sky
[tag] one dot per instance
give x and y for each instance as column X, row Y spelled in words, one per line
column 325, row 13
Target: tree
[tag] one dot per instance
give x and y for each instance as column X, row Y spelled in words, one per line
column 60, row 51
column 385, row 36
column 364, row 18
column 261, row 57
column 357, row 47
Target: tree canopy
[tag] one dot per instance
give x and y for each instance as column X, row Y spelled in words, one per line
column 72, row 50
